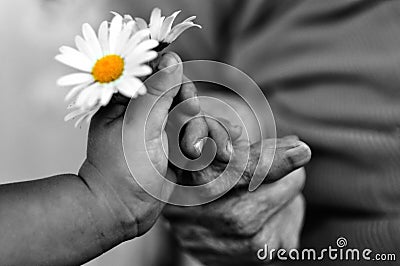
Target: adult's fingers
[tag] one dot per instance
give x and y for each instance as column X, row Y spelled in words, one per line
column 224, row 134
column 288, row 155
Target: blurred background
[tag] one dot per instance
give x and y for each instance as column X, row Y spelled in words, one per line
column 329, row 76
column 35, row 141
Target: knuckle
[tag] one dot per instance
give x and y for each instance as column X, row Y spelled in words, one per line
column 246, row 218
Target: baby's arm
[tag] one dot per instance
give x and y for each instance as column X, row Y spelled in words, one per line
column 70, row 219
column 56, row 221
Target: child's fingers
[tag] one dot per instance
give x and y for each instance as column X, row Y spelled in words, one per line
column 150, row 110
column 168, row 76
column 189, row 113
column 194, row 136
column 185, row 105
column 197, row 129
column 112, row 112
column 187, row 97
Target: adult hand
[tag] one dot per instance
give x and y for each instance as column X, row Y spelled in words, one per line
column 230, row 230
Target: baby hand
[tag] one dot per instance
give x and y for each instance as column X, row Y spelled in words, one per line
column 105, row 169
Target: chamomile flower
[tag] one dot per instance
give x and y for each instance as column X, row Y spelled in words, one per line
column 108, row 62
column 161, row 27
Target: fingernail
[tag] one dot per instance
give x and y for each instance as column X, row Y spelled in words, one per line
column 229, row 147
column 168, row 63
column 199, row 145
column 299, row 155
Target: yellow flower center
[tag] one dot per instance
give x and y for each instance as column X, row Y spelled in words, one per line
column 108, row 68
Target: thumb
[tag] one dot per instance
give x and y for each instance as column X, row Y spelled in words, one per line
column 144, row 122
column 150, row 110
column 283, row 156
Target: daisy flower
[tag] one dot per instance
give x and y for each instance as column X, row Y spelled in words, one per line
column 161, row 28
column 108, row 62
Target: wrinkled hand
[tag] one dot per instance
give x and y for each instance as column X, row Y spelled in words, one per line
column 230, row 230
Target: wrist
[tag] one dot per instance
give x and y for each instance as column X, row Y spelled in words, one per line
column 114, row 218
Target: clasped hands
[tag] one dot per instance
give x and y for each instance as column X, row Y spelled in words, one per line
column 228, row 230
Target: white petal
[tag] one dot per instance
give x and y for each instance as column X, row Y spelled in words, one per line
column 92, row 40
column 115, row 30
column 139, row 57
column 74, row 79
column 91, row 114
column 155, row 16
column 146, row 46
column 155, row 23
column 131, row 24
column 130, row 87
column 94, row 98
column 142, row 90
column 189, row 19
column 138, row 70
column 127, row 19
column 167, row 25
column 73, row 53
column 155, row 29
column 123, row 39
column 79, row 121
column 106, row 96
column 66, row 50
column 84, row 96
column 74, row 91
column 135, row 27
column 83, row 112
column 77, row 62
column 136, row 38
column 141, row 50
column 74, row 114
column 84, row 48
column 103, row 37
column 178, row 30
column 115, row 13
column 72, row 106
column 141, row 23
